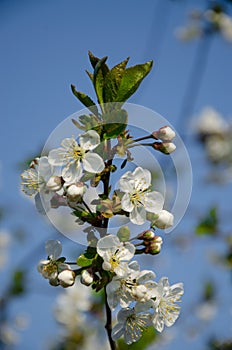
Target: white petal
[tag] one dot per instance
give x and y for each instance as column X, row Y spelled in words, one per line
column 154, row 202
column 89, row 140
column 57, row 156
column 126, row 203
column 107, row 243
column 145, row 276
column 69, row 143
column 45, row 169
column 138, row 215
column 126, row 182
column 142, row 178
column 117, row 331
column 93, row 163
column 72, row 173
column 127, row 252
column 53, row 249
column 158, row 323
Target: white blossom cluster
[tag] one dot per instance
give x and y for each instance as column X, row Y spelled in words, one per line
column 143, row 301
column 215, row 133
column 49, row 184
column 210, row 21
column 60, row 179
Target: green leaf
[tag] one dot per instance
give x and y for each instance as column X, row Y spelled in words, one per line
column 115, row 123
column 131, row 80
column 95, row 60
column 18, row 282
column 83, row 261
column 124, row 234
column 149, row 335
column 113, row 80
column 98, row 79
column 208, row 225
column 89, row 122
column 85, row 99
column 90, row 75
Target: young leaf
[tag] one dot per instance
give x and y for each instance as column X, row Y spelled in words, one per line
column 94, row 61
column 208, row 225
column 115, row 123
column 131, row 80
column 113, row 81
column 85, row 99
column 83, row 261
column 98, row 79
column 124, row 234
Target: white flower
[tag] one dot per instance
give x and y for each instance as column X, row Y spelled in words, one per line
column 137, row 198
column 71, row 155
column 136, row 286
column 132, row 322
column 164, row 220
column 226, row 26
column 210, row 122
column 71, row 305
column 35, row 178
column 165, row 307
column 115, row 254
column 51, row 268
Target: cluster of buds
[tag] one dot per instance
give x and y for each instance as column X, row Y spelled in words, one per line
column 151, row 242
column 166, row 135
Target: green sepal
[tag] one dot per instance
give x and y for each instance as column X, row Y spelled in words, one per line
column 131, row 80
column 113, row 80
column 85, row 99
column 61, row 259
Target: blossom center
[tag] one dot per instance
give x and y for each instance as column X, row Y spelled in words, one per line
column 77, row 153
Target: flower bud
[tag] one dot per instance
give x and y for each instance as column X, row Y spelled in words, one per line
column 155, row 246
column 165, row 220
column 54, row 183
column 147, row 235
column 66, row 278
column 164, row 147
column 165, row 134
column 75, row 192
column 86, row 278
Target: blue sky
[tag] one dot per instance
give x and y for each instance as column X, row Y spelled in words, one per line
column 44, row 47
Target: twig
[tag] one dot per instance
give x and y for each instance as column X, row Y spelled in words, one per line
column 108, row 325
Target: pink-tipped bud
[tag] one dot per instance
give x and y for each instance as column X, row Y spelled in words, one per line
column 86, row 278
column 75, row 192
column 147, row 235
column 165, row 133
column 164, row 147
column 66, row 278
column 154, row 246
column 164, row 220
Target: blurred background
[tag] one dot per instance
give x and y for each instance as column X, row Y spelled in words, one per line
column 44, row 47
